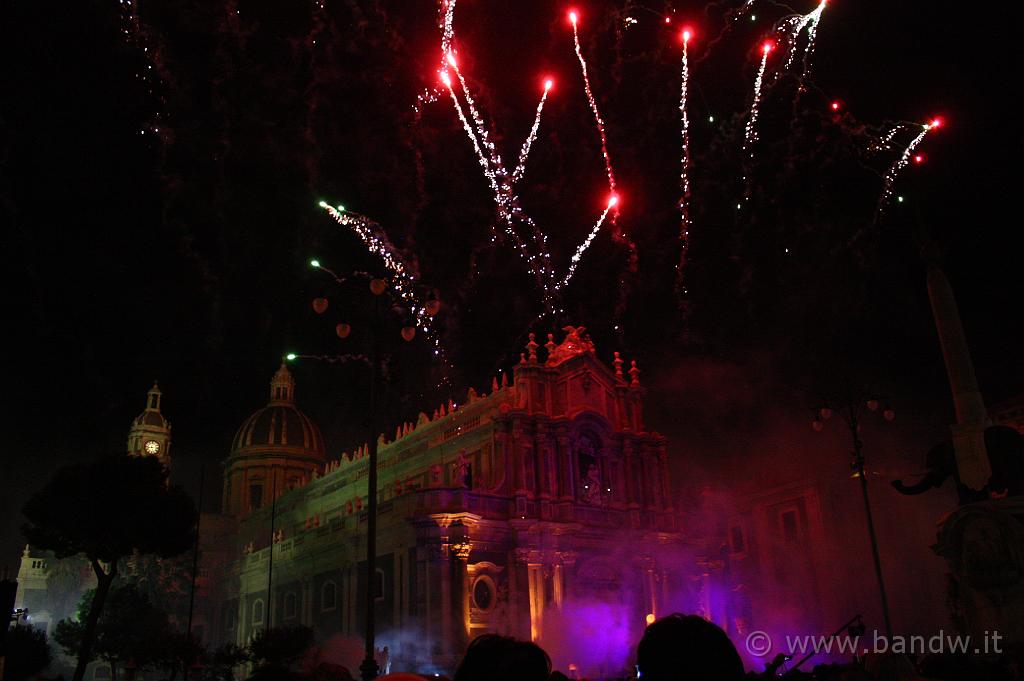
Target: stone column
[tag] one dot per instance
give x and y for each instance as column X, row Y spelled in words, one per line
column 536, row 586
column 461, row 593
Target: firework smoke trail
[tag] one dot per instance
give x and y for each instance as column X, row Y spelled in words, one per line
column 612, row 202
column 684, row 172
column 404, row 278
column 317, row 26
column 901, row 163
column 520, row 169
column 153, row 74
column 573, row 18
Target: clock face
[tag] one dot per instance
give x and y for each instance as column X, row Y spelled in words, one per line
column 152, row 446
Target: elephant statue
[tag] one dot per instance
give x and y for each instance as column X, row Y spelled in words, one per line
column 1005, row 448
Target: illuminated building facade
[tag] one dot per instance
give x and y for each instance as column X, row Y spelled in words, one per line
column 494, row 514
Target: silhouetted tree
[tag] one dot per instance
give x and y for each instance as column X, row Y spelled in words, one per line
column 276, row 650
column 130, row 628
column 28, row 653
column 107, row 510
column 220, row 663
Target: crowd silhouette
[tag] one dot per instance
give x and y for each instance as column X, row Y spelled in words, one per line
column 674, row 648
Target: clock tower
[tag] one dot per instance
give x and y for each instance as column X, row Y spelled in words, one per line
column 150, row 432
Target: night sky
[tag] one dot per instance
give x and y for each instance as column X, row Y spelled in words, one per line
column 180, row 253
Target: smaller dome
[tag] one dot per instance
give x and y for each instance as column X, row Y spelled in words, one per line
column 152, row 417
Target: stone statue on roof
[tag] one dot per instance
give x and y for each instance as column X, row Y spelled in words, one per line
column 576, row 342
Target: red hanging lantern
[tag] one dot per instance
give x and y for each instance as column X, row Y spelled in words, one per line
column 377, row 286
column 343, row 330
column 408, row 332
column 319, row 305
column 433, row 307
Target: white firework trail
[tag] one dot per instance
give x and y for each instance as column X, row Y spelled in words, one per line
column 684, row 171
column 790, row 29
column 612, row 202
column 574, row 18
column 520, row 169
column 750, row 131
column 899, row 164
column 403, row 278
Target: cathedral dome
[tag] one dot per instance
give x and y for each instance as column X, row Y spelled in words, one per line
column 280, row 427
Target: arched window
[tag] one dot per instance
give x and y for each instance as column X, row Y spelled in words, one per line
column 290, row 605
column 257, row 611
column 328, row 596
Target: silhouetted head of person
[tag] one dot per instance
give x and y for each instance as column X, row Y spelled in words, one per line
column 687, row 648
column 501, row 658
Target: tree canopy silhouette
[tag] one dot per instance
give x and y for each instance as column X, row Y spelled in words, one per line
column 108, row 510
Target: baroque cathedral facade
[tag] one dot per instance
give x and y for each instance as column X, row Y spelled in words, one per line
column 494, row 514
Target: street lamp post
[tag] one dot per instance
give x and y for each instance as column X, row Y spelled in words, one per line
column 368, row 668
column 850, row 414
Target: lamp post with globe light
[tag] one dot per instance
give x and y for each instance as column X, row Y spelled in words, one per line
column 373, row 324
column 850, row 412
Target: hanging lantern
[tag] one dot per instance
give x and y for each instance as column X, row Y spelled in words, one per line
column 817, row 425
column 408, row 332
column 343, row 330
column 319, row 305
column 377, row 286
column 826, row 413
column 873, row 404
column 433, row 307
column 889, row 414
